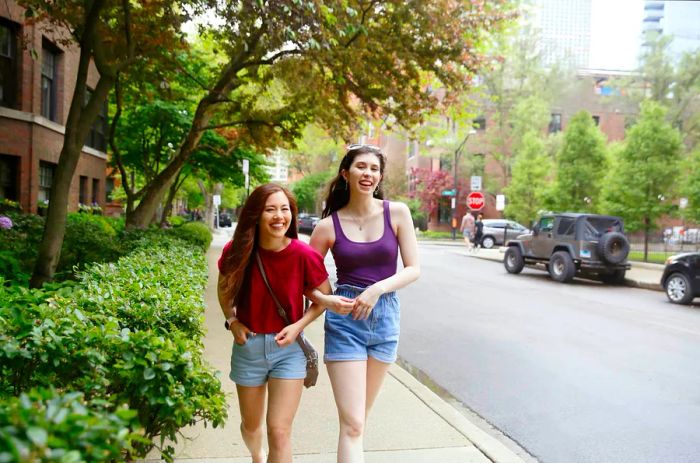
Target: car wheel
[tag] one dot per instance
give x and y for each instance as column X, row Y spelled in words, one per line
column 561, row 266
column 613, row 247
column 513, row 260
column 678, row 289
column 617, row 277
column 487, row 242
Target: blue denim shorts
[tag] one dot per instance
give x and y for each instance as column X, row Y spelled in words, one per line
column 377, row 336
column 261, row 358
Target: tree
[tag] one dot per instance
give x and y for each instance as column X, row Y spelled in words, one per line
column 291, row 62
column 526, row 191
column 429, row 188
column 646, row 173
column 307, row 190
column 580, row 167
column 691, row 187
column 113, row 35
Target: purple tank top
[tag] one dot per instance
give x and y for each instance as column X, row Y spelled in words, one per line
column 363, row 264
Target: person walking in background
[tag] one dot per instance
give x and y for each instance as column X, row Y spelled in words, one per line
column 266, row 360
column 365, row 235
column 467, row 229
column 478, row 230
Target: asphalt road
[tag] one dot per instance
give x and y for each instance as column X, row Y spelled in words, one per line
column 576, row 372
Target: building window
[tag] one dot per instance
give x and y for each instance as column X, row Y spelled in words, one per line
column 95, row 190
column 109, row 188
column 97, row 137
column 412, row 148
column 596, row 119
column 479, row 123
column 48, row 82
column 82, row 195
column 46, row 171
column 8, row 64
column 555, row 123
column 9, row 181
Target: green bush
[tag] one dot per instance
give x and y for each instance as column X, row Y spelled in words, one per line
column 435, row 235
column 196, row 233
column 18, row 247
column 89, row 238
column 44, row 425
column 176, row 220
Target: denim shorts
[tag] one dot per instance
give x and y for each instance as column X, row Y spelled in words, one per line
column 261, row 358
column 377, row 336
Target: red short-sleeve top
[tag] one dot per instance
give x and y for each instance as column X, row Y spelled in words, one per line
column 290, row 271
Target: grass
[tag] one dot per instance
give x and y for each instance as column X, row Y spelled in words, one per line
column 654, row 257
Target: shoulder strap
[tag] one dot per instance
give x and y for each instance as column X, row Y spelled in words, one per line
column 280, row 309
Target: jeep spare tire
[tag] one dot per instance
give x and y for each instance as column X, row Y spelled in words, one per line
column 613, row 247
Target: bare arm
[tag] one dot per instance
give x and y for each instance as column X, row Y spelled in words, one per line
column 239, row 330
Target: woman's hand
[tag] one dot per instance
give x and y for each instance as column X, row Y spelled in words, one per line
column 339, row 304
column 240, row 332
column 288, row 334
column 365, row 302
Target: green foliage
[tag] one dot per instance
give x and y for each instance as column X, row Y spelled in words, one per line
column 645, row 176
column 196, row 233
column 581, row 165
column 44, row 425
column 89, row 238
column 176, row 220
column 691, row 187
column 309, row 189
column 420, row 218
column 18, row 246
column 525, row 194
column 435, row 235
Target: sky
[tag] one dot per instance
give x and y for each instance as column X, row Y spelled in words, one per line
column 616, row 27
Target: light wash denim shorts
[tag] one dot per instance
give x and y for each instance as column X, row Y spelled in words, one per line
column 376, row 337
column 261, row 358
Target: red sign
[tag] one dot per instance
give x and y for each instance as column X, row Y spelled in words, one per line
column 476, row 200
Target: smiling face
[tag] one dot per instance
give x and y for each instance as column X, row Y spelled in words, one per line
column 276, row 217
column 364, row 174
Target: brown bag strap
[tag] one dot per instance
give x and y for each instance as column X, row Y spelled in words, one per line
column 280, row 310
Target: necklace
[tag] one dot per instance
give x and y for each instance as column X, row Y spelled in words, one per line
column 355, row 219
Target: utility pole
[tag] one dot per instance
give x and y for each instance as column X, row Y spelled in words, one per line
column 458, row 154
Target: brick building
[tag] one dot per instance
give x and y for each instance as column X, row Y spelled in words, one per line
column 37, row 75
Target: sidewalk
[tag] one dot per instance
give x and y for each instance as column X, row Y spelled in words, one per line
column 409, row 423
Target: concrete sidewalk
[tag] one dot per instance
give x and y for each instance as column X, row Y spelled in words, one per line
column 409, row 423
column 641, row 275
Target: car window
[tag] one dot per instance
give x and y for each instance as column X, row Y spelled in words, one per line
column 496, row 224
column 566, row 226
column 515, row 226
column 546, row 224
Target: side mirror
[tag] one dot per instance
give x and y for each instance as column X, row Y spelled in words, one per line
column 535, row 228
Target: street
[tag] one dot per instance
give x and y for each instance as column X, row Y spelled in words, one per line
column 576, row 372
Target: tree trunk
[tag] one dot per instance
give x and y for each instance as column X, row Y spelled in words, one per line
column 168, row 206
column 80, row 119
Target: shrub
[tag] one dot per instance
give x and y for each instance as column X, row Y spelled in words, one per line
column 194, row 232
column 18, row 247
column 89, row 238
column 176, row 220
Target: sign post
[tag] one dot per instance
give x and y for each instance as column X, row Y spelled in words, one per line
column 476, row 200
column 216, row 200
column 246, row 167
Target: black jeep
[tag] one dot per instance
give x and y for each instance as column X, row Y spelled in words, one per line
column 570, row 244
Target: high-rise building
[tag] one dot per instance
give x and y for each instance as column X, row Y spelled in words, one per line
column 680, row 20
column 565, row 31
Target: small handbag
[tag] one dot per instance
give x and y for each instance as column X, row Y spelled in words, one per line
column 306, row 346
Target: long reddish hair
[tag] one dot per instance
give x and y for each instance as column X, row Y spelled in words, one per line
column 235, row 266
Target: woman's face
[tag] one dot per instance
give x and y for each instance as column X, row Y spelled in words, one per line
column 364, row 174
column 276, row 217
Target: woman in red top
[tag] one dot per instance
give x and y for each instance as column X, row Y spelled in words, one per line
column 265, row 357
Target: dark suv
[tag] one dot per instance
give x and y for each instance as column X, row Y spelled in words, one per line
column 570, row 244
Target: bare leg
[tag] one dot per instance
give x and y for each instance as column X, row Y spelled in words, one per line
column 348, row 380
column 283, row 403
column 251, row 401
column 376, row 372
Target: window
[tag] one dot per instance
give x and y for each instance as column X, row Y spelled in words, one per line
column 109, row 188
column 48, row 82
column 566, row 226
column 412, row 148
column 82, row 196
column 46, row 170
column 596, row 119
column 445, row 209
column 555, row 123
column 479, row 123
column 97, row 137
column 9, row 181
column 95, row 190
column 8, row 64
column 546, row 224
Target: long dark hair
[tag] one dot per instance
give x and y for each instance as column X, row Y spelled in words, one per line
column 236, row 264
column 338, row 190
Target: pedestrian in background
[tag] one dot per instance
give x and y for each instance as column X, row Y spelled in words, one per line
column 478, row 230
column 365, row 235
column 265, row 359
column 467, row 229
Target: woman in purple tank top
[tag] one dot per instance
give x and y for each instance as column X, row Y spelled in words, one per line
column 365, row 234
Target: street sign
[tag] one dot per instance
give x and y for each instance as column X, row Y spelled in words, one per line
column 246, row 164
column 683, row 203
column 216, row 199
column 476, row 200
column 476, row 182
column 500, row 202
column 448, row 192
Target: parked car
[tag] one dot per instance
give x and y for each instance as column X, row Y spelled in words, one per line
column 570, row 244
column 225, row 219
column 681, row 277
column 307, row 222
column 495, row 231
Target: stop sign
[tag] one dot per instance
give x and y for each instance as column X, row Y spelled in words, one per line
column 476, row 200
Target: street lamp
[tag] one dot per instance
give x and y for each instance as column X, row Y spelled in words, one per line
column 458, row 153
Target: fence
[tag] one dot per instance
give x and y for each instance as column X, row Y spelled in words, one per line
column 665, row 243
